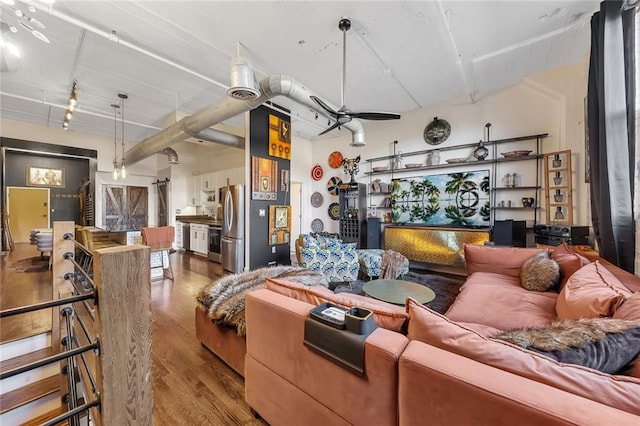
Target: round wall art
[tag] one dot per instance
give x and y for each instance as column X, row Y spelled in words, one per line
column 316, row 199
column 316, row 172
column 335, row 159
column 333, row 184
column 437, row 131
column 317, row 225
column 334, row 211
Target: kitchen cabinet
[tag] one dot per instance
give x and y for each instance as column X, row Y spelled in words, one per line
column 233, row 176
column 209, row 181
column 199, row 238
column 193, row 190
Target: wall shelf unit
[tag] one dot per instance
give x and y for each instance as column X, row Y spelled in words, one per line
column 522, row 191
column 559, row 187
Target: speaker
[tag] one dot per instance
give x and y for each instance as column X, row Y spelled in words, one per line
column 510, row 233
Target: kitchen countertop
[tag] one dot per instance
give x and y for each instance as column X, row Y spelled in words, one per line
column 204, row 220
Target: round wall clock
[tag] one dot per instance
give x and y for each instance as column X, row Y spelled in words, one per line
column 437, row 131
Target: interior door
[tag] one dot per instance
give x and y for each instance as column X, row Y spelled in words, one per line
column 114, row 207
column 28, row 209
column 137, row 203
column 162, row 189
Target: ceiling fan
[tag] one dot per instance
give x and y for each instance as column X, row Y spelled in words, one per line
column 344, row 114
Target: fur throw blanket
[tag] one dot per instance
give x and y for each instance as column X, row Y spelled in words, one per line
column 223, row 300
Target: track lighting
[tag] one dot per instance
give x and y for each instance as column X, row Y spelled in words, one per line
column 72, row 103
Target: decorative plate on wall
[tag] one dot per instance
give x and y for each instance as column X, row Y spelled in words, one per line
column 317, row 225
column 316, row 172
column 316, row 199
column 437, row 131
column 334, row 211
column 333, row 184
column 335, row 159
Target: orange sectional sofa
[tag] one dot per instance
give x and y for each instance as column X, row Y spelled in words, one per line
column 438, row 369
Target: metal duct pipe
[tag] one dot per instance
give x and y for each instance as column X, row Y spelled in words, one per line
column 192, row 125
column 213, row 135
column 172, row 155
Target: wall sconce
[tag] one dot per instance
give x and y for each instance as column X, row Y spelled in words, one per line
column 72, row 104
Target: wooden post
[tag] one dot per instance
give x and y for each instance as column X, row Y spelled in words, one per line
column 123, row 281
column 60, row 267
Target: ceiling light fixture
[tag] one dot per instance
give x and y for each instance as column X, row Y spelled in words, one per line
column 6, row 38
column 72, row 104
column 24, row 20
column 123, row 172
column 115, row 141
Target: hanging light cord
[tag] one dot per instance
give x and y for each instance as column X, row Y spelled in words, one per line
column 123, row 96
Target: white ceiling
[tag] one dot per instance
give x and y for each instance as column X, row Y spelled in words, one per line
column 174, row 55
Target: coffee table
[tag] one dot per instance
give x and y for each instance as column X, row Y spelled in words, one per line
column 397, row 291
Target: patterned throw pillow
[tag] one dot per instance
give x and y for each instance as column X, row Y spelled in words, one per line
column 540, row 273
column 336, row 265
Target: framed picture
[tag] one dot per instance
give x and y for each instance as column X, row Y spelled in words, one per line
column 279, row 224
column 45, row 176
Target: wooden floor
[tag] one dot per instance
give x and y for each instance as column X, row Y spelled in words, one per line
column 191, row 386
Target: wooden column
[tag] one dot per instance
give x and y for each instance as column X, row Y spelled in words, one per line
column 123, row 280
column 60, row 267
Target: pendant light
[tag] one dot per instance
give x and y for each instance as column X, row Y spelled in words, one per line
column 115, row 140
column 123, row 172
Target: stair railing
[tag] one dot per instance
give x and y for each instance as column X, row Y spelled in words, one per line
column 101, row 333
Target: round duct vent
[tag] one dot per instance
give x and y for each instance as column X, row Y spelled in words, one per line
column 243, row 84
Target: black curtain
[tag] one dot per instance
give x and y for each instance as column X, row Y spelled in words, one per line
column 611, row 122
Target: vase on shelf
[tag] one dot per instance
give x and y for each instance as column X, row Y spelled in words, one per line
column 557, row 179
column 558, row 215
column 557, row 197
column 557, row 162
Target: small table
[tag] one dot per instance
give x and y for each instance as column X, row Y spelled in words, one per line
column 397, row 291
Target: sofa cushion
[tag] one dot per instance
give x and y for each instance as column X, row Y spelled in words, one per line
column 630, row 309
column 501, row 260
column 437, row 330
column 335, row 264
column 604, row 344
column 386, row 315
column 592, row 291
column 568, row 260
column 499, row 301
column 539, row 273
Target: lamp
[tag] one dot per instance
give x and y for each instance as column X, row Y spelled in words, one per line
column 123, row 172
column 72, row 104
column 115, row 141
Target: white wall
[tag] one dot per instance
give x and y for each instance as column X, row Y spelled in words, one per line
column 547, row 103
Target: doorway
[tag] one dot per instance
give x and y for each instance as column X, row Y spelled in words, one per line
column 124, row 208
column 28, row 208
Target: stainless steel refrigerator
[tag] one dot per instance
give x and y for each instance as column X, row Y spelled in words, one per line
column 232, row 241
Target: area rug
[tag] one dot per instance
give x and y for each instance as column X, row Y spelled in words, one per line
column 32, row 264
column 445, row 287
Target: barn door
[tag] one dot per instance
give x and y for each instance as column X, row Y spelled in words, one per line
column 162, row 202
column 124, row 207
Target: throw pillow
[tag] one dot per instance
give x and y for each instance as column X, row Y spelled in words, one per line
column 604, row 344
column 500, row 260
column 630, row 309
column 591, row 292
column 336, row 265
column 385, row 315
column 437, row 330
column 568, row 260
column 539, row 273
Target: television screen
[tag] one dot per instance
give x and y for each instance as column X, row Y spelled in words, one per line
column 452, row 199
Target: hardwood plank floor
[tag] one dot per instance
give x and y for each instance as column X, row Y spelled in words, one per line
column 191, row 386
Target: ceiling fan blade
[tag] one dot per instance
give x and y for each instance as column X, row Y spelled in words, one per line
column 327, row 130
column 375, row 115
column 324, row 106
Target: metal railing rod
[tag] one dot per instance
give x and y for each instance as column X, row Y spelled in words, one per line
column 72, row 397
column 92, row 381
column 84, row 327
column 69, row 256
column 84, row 302
column 45, row 305
column 69, row 237
column 64, row 416
column 49, row 360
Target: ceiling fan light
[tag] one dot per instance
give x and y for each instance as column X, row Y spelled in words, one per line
column 243, row 83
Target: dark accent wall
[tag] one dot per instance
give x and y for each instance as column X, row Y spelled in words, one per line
column 260, row 251
column 78, row 164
